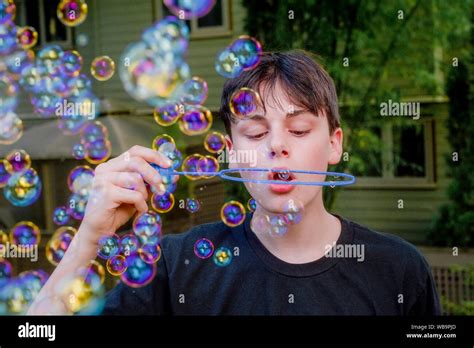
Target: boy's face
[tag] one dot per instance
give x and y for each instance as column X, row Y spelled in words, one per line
column 286, row 137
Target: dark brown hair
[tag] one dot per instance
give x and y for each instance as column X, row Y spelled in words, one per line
column 306, row 83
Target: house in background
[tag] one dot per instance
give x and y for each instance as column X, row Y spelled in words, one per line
column 418, row 178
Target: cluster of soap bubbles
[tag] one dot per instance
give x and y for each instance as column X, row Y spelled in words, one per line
column 278, row 224
column 133, row 256
column 13, row 60
column 154, row 70
column 94, row 146
column 17, row 293
column 20, row 182
column 204, row 249
column 202, row 165
column 242, row 54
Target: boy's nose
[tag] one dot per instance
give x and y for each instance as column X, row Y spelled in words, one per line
column 279, row 151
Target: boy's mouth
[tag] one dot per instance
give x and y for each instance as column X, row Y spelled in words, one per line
column 282, row 174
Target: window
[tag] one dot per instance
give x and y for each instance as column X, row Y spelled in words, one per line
column 215, row 24
column 41, row 15
column 395, row 154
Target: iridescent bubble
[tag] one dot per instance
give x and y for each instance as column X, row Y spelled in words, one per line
column 19, row 160
column 169, row 35
column 8, row 42
column 80, row 180
column 77, row 206
column 18, row 61
column 93, row 131
column 203, row 248
column 278, row 224
column 108, row 246
column 80, row 86
column 27, row 37
column 233, row 213
column 190, row 164
column 150, row 253
column 82, row 40
column 78, row 151
column 146, row 226
column 150, row 76
column 227, row 64
column 23, row 188
column 252, row 204
column 5, row 271
column 248, row 50
column 214, row 142
column 260, row 224
column 222, row 257
column 7, row 11
column 72, row 12
column 102, row 68
column 116, row 265
column 31, row 283
column 71, row 125
column 49, row 58
column 45, row 103
column 162, row 203
column 293, row 210
column 59, row 243
column 194, row 91
column 81, row 294
column 95, row 271
column 169, row 151
column 244, row 103
column 98, row 151
column 60, row 216
column 207, row 164
column 31, row 77
column 11, row 127
column 3, row 237
column 25, row 233
column 168, row 114
column 128, row 244
column 8, row 93
column 160, row 140
column 192, row 205
column 190, row 9
column 71, row 63
column 138, row 272
column 196, row 120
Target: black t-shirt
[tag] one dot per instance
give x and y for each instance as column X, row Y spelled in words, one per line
column 392, row 278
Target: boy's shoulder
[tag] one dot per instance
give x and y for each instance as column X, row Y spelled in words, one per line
column 384, row 248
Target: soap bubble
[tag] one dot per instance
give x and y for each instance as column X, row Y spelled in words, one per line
column 227, row 64
column 19, row 160
column 23, row 188
column 72, row 12
column 190, row 9
column 222, row 257
column 11, row 127
column 102, row 68
column 167, row 114
column 193, row 91
column 214, row 142
column 60, row 216
column 138, row 272
column 108, row 246
column 7, row 11
column 27, row 37
column 169, row 35
column 25, row 233
column 244, row 103
column 80, row 180
column 71, row 63
column 248, row 50
column 233, row 213
column 196, row 120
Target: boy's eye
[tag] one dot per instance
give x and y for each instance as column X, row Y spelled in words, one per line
column 300, row 133
column 257, row 136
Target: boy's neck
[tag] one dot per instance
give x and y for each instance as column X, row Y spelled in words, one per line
column 306, row 241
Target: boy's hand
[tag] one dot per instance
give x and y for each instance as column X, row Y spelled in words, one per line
column 119, row 190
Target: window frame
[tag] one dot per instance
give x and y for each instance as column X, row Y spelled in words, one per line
column 21, row 20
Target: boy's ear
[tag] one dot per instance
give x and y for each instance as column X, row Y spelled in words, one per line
column 335, row 151
column 229, row 146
